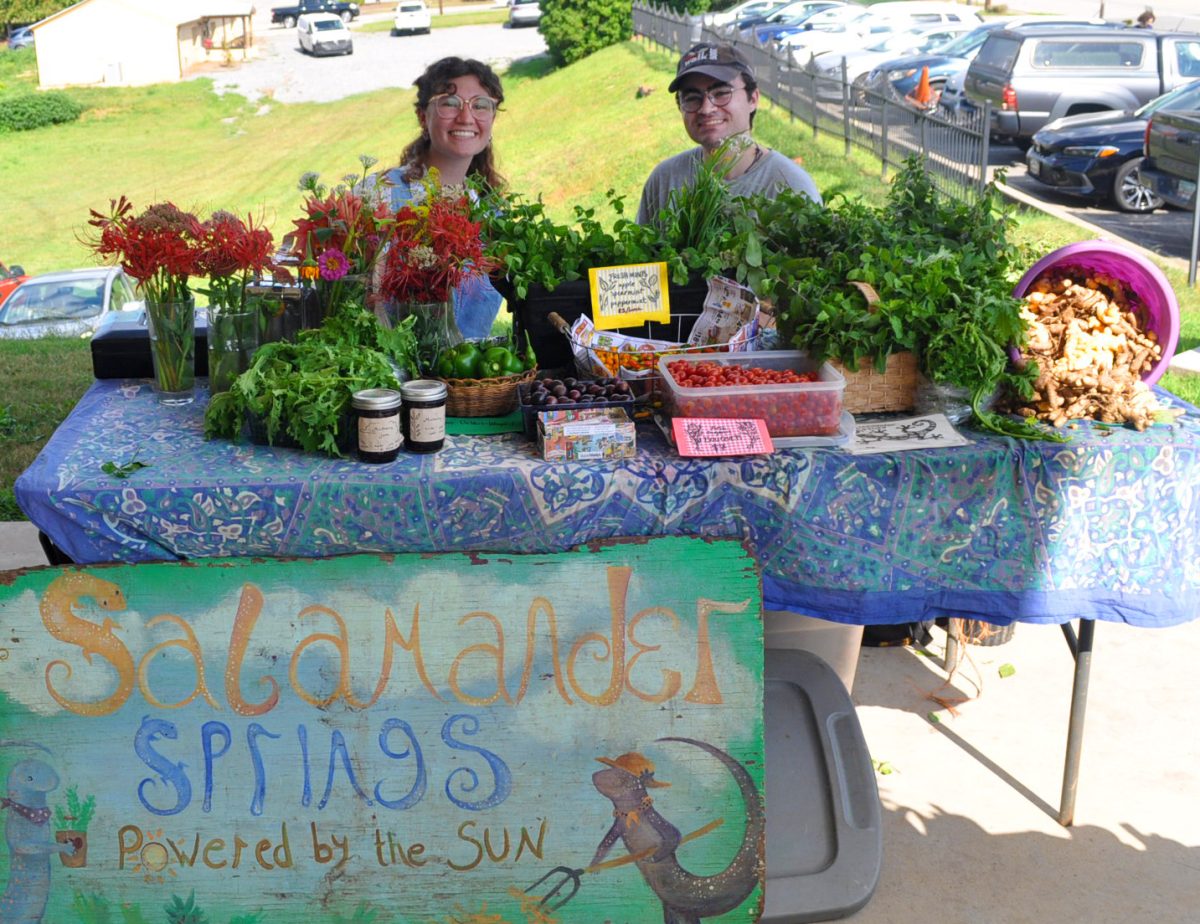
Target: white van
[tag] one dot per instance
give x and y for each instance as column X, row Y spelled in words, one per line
column 324, row 34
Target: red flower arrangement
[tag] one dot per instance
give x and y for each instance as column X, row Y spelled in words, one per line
column 160, row 248
column 342, row 229
column 433, row 249
column 233, row 253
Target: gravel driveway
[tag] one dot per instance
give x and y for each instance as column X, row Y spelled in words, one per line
column 379, row 60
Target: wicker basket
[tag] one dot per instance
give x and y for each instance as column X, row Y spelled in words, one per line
column 484, row 397
column 870, row 391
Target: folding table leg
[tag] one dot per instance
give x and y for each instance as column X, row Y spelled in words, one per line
column 1081, row 650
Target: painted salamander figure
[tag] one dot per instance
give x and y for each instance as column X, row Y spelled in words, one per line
column 685, row 897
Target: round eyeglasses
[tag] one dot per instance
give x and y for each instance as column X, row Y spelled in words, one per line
column 449, row 105
column 692, row 100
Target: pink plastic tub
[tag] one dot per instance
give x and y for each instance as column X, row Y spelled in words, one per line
column 1159, row 308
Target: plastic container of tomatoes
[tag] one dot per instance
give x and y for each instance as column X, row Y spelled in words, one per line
column 800, row 409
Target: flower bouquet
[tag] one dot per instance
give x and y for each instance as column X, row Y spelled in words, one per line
column 159, row 248
column 233, row 253
column 433, row 248
column 340, row 235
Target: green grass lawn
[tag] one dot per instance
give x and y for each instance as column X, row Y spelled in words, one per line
column 570, row 135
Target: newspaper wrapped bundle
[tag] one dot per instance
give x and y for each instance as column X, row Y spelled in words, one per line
column 729, row 322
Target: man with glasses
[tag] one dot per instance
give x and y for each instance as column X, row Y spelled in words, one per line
column 717, row 95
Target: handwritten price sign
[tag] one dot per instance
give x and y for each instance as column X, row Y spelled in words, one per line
column 627, row 295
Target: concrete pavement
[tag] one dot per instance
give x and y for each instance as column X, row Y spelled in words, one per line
column 969, row 801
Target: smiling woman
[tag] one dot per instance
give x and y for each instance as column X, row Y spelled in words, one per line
column 458, row 101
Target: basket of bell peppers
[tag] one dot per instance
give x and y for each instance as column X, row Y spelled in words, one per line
column 482, row 377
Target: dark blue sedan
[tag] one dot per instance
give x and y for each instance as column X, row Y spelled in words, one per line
column 1096, row 155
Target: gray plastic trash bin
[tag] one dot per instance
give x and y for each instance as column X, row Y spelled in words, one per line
column 824, row 832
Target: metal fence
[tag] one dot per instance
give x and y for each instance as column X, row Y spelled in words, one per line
column 954, row 152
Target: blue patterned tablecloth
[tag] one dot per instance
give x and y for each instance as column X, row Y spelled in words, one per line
column 1105, row 527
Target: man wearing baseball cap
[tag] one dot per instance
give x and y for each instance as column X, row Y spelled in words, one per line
column 717, row 95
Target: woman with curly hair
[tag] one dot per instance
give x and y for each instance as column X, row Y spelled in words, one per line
column 457, row 102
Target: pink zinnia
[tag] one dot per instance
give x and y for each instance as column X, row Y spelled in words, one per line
column 333, row 264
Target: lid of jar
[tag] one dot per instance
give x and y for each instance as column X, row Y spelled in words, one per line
column 375, row 399
column 423, row 390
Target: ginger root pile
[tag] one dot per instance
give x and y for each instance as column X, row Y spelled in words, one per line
column 1084, row 333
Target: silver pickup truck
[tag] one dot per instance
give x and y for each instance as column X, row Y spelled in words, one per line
column 1173, row 157
column 1035, row 75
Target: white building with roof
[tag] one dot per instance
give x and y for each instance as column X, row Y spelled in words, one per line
column 137, row 42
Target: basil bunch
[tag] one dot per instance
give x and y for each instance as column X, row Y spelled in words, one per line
column 302, row 389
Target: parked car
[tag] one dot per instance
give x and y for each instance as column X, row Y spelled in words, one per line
column 10, row 278
column 1172, row 145
column 290, row 15
column 1099, row 155
column 324, row 34
column 827, row 66
column 21, row 37
column 879, row 20
column 524, row 13
column 742, row 10
column 412, row 16
column 763, row 29
column 768, row 31
column 900, row 76
column 1033, row 75
column 65, row 304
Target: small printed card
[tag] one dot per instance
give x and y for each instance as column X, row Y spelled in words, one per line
column 931, row 431
column 709, row 436
column 629, row 295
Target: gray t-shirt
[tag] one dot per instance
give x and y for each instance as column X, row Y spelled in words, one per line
column 773, row 172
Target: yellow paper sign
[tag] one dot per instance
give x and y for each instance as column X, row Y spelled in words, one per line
column 627, row 295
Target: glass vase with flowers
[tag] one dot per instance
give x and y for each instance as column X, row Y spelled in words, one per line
column 160, row 248
column 339, row 237
column 434, row 247
column 234, row 252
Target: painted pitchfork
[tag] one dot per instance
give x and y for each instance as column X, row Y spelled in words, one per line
column 574, row 877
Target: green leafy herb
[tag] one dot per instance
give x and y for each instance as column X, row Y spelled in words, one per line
column 882, row 767
column 303, row 389
column 123, row 469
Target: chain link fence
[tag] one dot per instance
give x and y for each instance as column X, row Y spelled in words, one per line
column 954, row 151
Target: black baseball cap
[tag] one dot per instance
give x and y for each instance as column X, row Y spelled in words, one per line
column 721, row 62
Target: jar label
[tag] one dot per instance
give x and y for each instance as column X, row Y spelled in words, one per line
column 379, row 434
column 427, row 425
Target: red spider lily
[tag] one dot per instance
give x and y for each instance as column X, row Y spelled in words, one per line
column 233, row 246
column 434, row 248
column 160, row 248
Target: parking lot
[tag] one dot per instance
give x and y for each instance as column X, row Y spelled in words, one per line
column 380, row 60
column 1166, row 231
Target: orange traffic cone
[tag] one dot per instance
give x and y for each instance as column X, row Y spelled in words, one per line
column 922, row 95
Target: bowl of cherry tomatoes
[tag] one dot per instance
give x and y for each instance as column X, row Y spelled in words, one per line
column 792, row 394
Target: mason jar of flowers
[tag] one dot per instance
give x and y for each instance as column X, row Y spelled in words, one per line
column 434, row 247
column 160, row 249
column 338, row 239
column 234, row 252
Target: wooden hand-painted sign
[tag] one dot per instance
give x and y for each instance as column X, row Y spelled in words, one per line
column 469, row 738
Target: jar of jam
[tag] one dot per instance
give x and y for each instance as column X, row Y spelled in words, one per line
column 378, row 413
column 423, row 415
